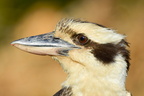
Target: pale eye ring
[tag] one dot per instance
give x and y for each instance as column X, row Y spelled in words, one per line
column 82, row 39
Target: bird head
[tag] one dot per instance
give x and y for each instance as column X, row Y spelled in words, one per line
column 95, row 57
column 75, row 43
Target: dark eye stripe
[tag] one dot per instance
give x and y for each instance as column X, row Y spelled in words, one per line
column 106, row 52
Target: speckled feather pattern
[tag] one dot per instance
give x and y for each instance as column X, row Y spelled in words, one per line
column 64, row 92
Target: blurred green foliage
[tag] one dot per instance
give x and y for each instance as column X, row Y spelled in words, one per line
column 12, row 10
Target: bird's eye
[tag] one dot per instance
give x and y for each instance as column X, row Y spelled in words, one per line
column 82, row 39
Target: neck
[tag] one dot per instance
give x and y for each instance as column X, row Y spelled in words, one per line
column 106, row 80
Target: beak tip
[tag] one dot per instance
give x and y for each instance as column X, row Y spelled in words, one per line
column 16, row 42
column 12, row 43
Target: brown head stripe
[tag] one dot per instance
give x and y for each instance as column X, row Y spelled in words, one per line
column 106, row 52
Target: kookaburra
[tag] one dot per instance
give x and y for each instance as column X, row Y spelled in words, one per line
column 95, row 58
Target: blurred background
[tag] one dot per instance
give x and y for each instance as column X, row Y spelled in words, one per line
column 24, row 74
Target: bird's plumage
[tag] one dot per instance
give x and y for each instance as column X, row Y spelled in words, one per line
column 95, row 58
column 64, row 92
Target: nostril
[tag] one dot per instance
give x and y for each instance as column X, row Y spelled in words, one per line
column 56, row 38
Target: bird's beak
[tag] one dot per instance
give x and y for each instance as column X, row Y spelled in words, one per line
column 44, row 44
